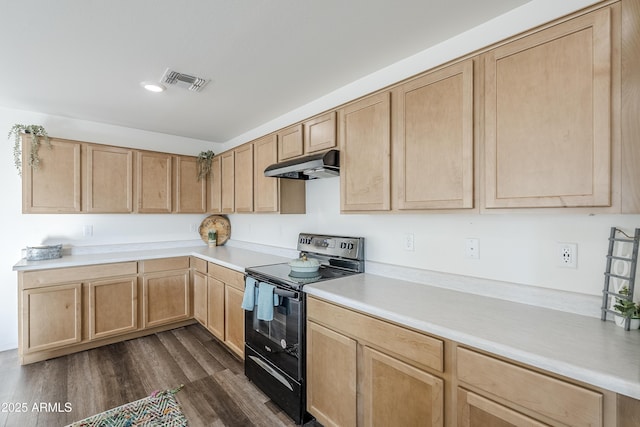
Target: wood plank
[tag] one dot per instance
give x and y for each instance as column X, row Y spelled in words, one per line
column 198, row 353
column 219, row 400
column 250, row 399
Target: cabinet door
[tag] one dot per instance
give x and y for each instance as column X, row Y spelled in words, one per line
column 153, row 182
column 434, row 140
column 320, row 133
column 331, row 377
column 555, row 399
column 113, row 307
column 200, row 300
column 215, row 307
column 227, row 165
column 190, row 194
column 365, row 142
column 214, row 187
column 243, row 173
column 234, row 320
column 290, row 143
column 265, row 195
column 547, row 117
column 165, row 297
column 54, row 187
column 395, row 393
column 109, row 179
column 477, row 411
column 51, row 317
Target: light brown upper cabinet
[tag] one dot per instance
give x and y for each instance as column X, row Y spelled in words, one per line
column 434, row 140
column 265, row 153
column 109, row 179
column 55, row 186
column 274, row 194
column 214, row 187
column 364, row 131
column 243, row 176
column 227, row 194
column 320, row 133
column 190, row 193
column 311, row 136
column 290, row 142
column 548, row 104
column 153, row 182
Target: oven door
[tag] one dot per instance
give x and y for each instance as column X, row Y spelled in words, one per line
column 279, row 340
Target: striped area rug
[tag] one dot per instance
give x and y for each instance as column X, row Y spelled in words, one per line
column 159, row 409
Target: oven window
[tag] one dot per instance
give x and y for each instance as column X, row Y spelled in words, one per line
column 283, row 330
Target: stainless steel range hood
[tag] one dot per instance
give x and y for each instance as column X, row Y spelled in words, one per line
column 323, row 165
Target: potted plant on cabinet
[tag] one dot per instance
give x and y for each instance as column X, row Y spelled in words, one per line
column 36, row 132
column 204, row 163
column 627, row 309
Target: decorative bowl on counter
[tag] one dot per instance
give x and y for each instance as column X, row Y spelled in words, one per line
column 39, row 253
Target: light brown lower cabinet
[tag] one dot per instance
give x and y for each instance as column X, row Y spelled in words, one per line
column 331, row 376
column 66, row 310
column 200, row 297
column 365, row 371
column 396, row 393
column 357, row 361
column 215, row 307
column 217, row 304
column 546, row 399
column 113, row 306
column 477, row 411
column 166, row 296
column 234, row 319
column 51, row 317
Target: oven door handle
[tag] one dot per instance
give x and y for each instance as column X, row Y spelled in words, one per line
column 284, row 293
column 272, row 372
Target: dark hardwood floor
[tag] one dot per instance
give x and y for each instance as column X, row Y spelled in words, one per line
column 215, row 393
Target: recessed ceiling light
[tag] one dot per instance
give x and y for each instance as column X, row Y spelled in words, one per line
column 153, row 86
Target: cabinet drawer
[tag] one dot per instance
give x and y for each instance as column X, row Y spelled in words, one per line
column 198, row 264
column 559, row 400
column 164, row 264
column 227, row 275
column 422, row 350
column 35, row 279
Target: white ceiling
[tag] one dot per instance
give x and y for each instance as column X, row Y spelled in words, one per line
column 85, row 59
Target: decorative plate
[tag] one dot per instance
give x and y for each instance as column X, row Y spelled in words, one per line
column 220, row 224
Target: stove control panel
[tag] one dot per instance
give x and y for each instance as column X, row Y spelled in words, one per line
column 336, row 246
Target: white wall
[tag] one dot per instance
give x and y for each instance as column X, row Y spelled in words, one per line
column 517, row 248
column 19, row 230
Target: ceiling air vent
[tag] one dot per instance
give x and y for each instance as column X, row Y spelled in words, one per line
column 184, row 81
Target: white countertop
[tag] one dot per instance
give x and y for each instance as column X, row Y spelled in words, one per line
column 235, row 258
column 579, row 347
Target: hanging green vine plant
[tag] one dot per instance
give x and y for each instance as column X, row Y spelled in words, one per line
column 36, row 132
column 204, row 163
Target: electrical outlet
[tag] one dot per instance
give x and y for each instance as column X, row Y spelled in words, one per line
column 567, row 255
column 472, row 248
column 87, row 230
column 409, row 242
column 193, row 228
